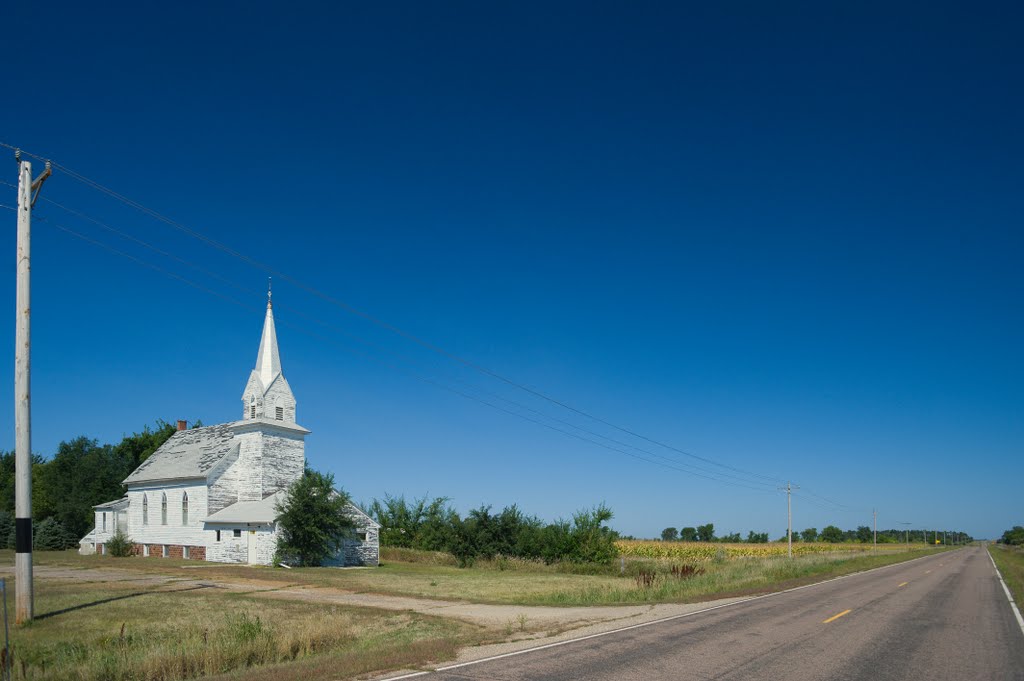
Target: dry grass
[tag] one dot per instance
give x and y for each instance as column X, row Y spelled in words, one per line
column 514, row 582
column 99, row 632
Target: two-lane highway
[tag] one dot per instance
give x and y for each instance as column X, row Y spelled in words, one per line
column 940, row 617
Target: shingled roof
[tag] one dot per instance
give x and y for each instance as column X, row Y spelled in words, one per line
column 187, row 454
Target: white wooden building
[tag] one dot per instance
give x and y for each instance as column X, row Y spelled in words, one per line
column 210, row 493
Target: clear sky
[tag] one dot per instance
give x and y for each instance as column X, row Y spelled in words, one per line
column 784, row 237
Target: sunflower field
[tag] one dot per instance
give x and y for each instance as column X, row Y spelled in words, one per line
column 705, row 551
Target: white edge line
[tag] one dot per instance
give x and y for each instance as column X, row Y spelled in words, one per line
column 1009, row 596
column 659, row 621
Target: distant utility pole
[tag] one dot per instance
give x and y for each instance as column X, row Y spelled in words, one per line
column 28, row 192
column 874, row 515
column 789, row 511
column 906, row 533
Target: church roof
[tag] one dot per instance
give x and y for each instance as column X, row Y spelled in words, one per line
column 187, row 454
column 264, row 511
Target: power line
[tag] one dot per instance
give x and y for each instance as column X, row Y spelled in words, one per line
column 383, row 324
column 392, row 366
column 354, row 337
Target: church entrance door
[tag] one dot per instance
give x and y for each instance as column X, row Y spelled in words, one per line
column 252, row 546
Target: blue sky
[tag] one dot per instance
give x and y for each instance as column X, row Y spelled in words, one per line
column 785, row 238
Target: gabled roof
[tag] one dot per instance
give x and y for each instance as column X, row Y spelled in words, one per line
column 116, row 504
column 264, row 511
column 188, row 454
column 361, row 518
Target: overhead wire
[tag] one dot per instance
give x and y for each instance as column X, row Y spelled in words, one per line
column 381, row 323
column 666, row 463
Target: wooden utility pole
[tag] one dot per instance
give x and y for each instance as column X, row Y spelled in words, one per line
column 28, row 192
column 789, row 511
column 874, row 523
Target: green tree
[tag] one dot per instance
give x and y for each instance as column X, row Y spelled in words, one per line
column 810, row 534
column 51, row 535
column 1014, row 537
column 757, row 537
column 688, row 534
column 832, row 534
column 706, row 532
column 81, row 474
column 864, row 534
column 313, row 519
column 669, row 534
column 135, row 448
column 592, row 540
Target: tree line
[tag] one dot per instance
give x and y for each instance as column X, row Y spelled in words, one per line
column 1013, row 537
column 435, row 525
column 81, row 474
column 831, row 534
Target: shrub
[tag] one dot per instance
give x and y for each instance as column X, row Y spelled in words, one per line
column 119, row 545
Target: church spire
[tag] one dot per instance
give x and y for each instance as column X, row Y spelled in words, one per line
column 268, row 361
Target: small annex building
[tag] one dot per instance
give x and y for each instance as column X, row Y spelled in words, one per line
column 210, row 493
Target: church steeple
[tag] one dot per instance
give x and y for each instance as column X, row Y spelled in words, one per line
column 267, row 394
column 268, row 361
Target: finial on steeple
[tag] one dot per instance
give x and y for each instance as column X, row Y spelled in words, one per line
column 270, row 293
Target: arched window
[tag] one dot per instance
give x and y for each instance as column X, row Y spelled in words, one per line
column 145, row 510
column 104, row 521
column 184, row 508
column 252, row 407
column 163, row 508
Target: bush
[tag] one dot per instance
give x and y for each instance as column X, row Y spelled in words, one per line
column 119, row 545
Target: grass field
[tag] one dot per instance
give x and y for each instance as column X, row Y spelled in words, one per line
column 113, row 632
column 91, row 629
column 1010, row 561
column 512, row 582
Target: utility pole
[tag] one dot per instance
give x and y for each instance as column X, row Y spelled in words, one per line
column 906, row 532
column 28, row 192
column 874, row 515
column 789, row 512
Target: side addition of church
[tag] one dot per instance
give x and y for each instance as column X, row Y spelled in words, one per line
column 211, row 493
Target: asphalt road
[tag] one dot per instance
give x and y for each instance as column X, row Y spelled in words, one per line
column 940, row 617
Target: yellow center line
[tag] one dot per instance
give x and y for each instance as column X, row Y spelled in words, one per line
column 903, row 584
column 835, row 617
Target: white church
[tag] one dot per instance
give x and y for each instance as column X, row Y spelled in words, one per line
column 210, row 493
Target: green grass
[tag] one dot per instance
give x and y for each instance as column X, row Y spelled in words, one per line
column 116, row 632
column 515, row 582
column 1010, row 561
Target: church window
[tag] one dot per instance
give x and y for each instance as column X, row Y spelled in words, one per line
column 184, row 508
column 145, row 510
column 104, row 521
column 163, row 508
column 236, row 534
column 279, row 413
column 218, row 535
